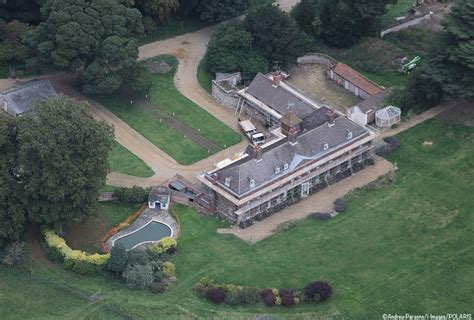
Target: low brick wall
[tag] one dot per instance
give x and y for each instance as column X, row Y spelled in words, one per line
column 317, row 58
column 228, row 98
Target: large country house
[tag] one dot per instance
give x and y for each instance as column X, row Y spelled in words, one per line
column 316, row 147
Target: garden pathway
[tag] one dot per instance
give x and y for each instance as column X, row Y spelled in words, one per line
column 319, row 202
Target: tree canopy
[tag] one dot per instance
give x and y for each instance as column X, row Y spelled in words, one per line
column 451, row 62
column 23, row 10
column 160, row 10
column 94, row 38
column 12, row 214
column 63, row 158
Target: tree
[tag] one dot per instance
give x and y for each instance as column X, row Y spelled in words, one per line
column 220, row 10
column 12, row 213
column 24, row 10
column 16, row 255
column 118, row 258
column 13, row 47
column 63, row 158
column 342, row 23
column 275, row 35
column 93, row 38
column 304, row 13
column 138, row 276
column 161, row 10
column 451, row 61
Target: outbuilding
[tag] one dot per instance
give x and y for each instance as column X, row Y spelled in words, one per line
column 353, row 81
column 363, row 113
column 159, row 198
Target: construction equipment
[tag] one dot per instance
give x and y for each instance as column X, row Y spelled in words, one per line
column 406, row 68
column 250, row 131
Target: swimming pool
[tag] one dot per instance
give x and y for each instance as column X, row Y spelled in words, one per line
column 151, row 232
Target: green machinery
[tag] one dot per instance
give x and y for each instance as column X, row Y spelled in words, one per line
column 409, row 66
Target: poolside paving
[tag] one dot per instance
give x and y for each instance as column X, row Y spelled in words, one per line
column 145, row 217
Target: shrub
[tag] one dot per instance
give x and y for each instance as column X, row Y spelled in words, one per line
column 216, row 295
column 75, row 260
column 138, row 276
column 339, row 205
column 250, row 295
column 171, row 251
column 318, row 289
column 138, row 257
column 168, row 269
column 285, row 291
column 132, row 195
column 288, row 300
column 278, row 300
column 158, row 287
column 149, row 24
column 118, row 258
column 163, row 245
column 16, row 255
column 269, row 299
column 321, row 215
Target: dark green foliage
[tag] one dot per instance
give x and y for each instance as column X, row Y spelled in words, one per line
column 288, row 300
column 134, row 195
column 339, row 205
column 161, row 10
column 118, row 258
column 320, row 290
column 63, row 156
column 138, row 276
column 269, row 298
column 138, row 257
column 451, row 62
column 149, row 25
column 16, row 255
column 275, row 35
column 24, row 10
column 220, row 10
column 138, row 79
column 13, row 47
column 158, row 287
column 92, row 38
column 304, row 13
column 230, row 49
column 12, row 213
column 216, row 295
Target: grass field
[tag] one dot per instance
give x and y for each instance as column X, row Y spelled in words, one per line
column 399, row 9
column 164, row 94
column 204, row 77
column 404, row 248
column 123, row 161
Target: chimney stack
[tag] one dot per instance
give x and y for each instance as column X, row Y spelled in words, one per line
column 331, row 116
column 276, row 79
column 257, row 152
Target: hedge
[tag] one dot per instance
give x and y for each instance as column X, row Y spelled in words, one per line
column 75, row 260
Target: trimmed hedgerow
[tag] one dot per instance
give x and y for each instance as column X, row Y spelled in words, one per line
column 75, row 260
column 247, row 295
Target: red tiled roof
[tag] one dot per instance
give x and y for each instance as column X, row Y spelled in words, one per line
column 357, row 79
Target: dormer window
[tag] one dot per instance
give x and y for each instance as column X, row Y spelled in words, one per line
column 349, row 135
column 277, row 170
column 252, row 183
column 285, row 166
column 227, row 181
column 325, row 146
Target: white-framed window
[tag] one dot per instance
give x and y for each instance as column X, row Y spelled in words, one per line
column 349, row 135
column 277, row 170
column 285, row 166
column 227, row 181
column 325, row 146
column 252, row 183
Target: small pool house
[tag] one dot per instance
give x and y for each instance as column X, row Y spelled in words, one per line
column 159, row 198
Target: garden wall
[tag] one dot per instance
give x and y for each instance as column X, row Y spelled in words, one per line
column 224, row 90
column 404, row 25
column 317, row 58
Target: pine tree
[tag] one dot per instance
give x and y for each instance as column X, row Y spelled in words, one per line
column 118, row 258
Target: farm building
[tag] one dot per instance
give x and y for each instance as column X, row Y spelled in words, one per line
column 363, row 113
column 18, row 99
column 316, row 150
column 353, row 81
column 159, row 198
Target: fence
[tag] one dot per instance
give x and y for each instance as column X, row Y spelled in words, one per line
column 405, row 24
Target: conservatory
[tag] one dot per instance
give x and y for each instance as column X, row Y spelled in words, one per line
column 387, row 117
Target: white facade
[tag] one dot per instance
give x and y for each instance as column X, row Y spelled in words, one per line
column 356, row 115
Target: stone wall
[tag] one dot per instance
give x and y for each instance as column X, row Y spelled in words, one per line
column 404, row 24
column 105, row 196
column 228, row 98
column 317, row 58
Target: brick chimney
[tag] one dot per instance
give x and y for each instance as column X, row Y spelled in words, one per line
column 331, row 116
column 257, row 152
column 276, row 79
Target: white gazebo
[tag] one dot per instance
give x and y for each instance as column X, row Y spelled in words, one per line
column 387, row 116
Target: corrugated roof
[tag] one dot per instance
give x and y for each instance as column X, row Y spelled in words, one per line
column 357, row 79
column 19, row 98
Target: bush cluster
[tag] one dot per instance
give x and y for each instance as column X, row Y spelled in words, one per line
column 247, row 295
column 392, row 144
column 132, row 195
column 320, row 215
column 339, row 205
column 75, row 260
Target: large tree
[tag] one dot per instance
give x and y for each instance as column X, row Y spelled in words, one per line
column 161, row 10
column 94, row 38
column 230, row 49
column 13, row 47
column 12, row 214
column 275, row 34
column 63, row 158
column 451, row 62
column 23, row 10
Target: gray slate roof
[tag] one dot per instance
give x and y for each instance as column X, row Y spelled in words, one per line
column 18, row 99
column 159, row 194
column 277, row 98
column 372, row 103
column 309, row 147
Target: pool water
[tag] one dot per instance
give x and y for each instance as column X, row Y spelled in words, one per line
column 152, row 232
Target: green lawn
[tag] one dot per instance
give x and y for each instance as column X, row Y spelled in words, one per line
column 204, row 77
column 165, row 94
column 172, row 142
column 399, row 9
column 123, row 161
column 404, row 248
